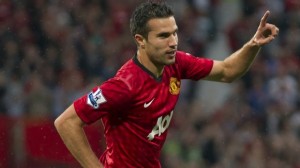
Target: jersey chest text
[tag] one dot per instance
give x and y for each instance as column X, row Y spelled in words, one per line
column 155, row 107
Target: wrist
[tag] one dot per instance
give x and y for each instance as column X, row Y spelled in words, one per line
column 252, row 44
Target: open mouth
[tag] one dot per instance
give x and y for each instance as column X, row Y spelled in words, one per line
column 171, row 53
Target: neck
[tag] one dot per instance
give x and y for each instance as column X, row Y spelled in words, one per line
column 157, row 70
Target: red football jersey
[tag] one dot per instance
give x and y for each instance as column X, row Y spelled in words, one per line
column 136, row 109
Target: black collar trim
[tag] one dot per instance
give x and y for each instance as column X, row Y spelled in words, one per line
column 137, row 62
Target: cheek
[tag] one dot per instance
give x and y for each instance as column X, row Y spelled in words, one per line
column 157, row 43
column 155, row 53
column 155, row 48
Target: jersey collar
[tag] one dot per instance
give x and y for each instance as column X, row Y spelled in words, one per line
column 137, row 62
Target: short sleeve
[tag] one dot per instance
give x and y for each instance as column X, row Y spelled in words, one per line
column 112, row 97
column 192, row 67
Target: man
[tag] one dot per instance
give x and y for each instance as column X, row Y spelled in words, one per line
column 136, row 106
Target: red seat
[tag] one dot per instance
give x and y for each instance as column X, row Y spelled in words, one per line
column 5, row 139
column 43, row 143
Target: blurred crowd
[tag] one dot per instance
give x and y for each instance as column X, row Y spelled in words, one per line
column 52, row 52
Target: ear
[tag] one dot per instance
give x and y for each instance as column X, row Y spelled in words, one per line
column 140, row 40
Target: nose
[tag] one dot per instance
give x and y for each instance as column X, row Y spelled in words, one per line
column 173, row 42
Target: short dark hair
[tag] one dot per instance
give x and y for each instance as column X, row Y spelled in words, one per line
column 146, row 11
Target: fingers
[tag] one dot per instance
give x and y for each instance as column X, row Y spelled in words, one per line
column 273, row 29
column 266, row 32
column 263, row 41
column 267, row 40
column 270, row 32
column 263, row 20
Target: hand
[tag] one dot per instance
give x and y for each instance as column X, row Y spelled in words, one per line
column 266, row 32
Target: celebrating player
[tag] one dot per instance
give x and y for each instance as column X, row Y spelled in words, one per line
column 136, row 105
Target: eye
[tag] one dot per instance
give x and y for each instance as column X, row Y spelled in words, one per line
column 175, row 33
column 164, row 35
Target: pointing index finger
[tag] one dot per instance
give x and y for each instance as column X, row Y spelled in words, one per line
column 263, row 20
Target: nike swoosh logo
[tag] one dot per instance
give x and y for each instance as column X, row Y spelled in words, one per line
column 148, row 104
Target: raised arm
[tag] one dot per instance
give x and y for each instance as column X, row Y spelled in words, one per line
column 238, row 63
column 70, row 128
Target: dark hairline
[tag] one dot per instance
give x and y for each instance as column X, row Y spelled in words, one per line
column 142, row 28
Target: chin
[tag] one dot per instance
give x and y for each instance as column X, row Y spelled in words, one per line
column 170, row 62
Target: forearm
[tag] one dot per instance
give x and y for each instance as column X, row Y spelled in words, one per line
column 76, row 141
column 238, row 63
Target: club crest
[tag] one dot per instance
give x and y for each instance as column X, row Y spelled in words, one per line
column 174, row 86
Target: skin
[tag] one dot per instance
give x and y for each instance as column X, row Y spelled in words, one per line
column 159, row 49
column 238, row 63
column 70, row 128
column 154, row 53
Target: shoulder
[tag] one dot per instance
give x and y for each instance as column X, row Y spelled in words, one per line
column 182, row 56
column 127, row 76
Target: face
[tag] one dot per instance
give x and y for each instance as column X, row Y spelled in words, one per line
column 162, row 41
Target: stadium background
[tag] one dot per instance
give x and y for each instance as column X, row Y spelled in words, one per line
column 52, row 51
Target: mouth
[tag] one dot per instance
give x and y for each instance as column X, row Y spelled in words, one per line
column 171, row 53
